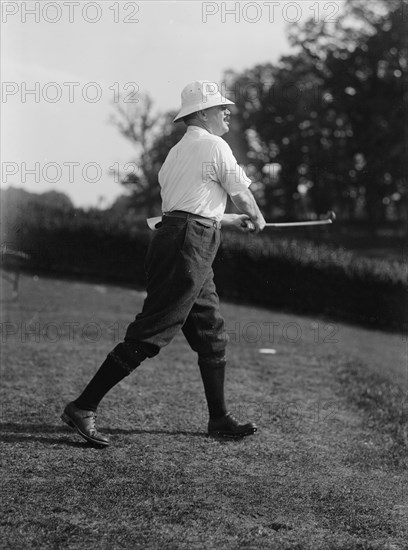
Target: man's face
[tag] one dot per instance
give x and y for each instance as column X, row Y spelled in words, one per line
column 217, row 121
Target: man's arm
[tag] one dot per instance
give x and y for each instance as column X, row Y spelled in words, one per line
column 246, row 203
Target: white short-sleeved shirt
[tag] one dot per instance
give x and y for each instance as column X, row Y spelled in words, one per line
column 199, row 173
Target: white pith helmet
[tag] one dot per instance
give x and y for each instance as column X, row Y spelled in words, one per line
column 199, row 95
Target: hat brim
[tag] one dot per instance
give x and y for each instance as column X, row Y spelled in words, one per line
column 184, row 111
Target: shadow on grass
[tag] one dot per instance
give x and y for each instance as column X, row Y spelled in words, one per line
column 120, row 431
column 13, row 432
column 219, row 439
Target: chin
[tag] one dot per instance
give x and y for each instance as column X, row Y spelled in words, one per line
column 225, row 130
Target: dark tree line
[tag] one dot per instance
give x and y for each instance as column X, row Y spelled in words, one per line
column 323, row 128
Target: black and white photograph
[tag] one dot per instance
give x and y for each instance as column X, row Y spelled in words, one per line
column 204, row 275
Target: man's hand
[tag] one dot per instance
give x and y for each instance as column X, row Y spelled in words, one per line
column 247, row 225
column 236, row 221
column 241, row 222
column 253, row 226
column 244, row 223
column 259, row 224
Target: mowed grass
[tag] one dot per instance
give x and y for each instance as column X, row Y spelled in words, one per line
column 326, row 470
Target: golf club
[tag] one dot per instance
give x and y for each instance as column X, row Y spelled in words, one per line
column 330, row 217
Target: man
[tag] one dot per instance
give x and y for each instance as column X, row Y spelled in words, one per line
column 196, row 178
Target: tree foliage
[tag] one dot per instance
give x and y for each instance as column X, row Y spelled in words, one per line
column 324, row 128
column 331, row 116
column 152, row 136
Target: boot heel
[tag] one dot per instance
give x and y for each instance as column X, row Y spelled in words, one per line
column 65, row 418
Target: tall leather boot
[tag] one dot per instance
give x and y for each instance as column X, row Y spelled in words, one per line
column 222, row 423
column 81, row 413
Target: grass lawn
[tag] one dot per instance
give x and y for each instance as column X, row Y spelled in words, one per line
column 326, row 470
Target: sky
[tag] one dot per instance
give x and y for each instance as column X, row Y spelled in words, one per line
column 63, row 63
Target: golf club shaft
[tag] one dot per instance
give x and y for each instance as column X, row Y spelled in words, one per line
column 299, row 224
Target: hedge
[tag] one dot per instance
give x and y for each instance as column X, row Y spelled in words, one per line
column 296, row 276
column 307, row 278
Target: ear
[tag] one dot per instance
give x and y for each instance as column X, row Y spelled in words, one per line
column 202, row 115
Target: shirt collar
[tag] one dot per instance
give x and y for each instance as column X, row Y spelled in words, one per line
column 197, row 129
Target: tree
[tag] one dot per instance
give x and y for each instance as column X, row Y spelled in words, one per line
column 136, row 122
column 331, row 115
column 153, row 135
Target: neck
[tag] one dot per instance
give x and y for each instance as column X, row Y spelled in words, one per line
column 200, row 124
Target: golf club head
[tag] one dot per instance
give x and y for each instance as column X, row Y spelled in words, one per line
column 153, row 222
column 331, row 215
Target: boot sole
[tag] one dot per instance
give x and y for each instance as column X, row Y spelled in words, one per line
column 65, row 418
column 226, row 435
